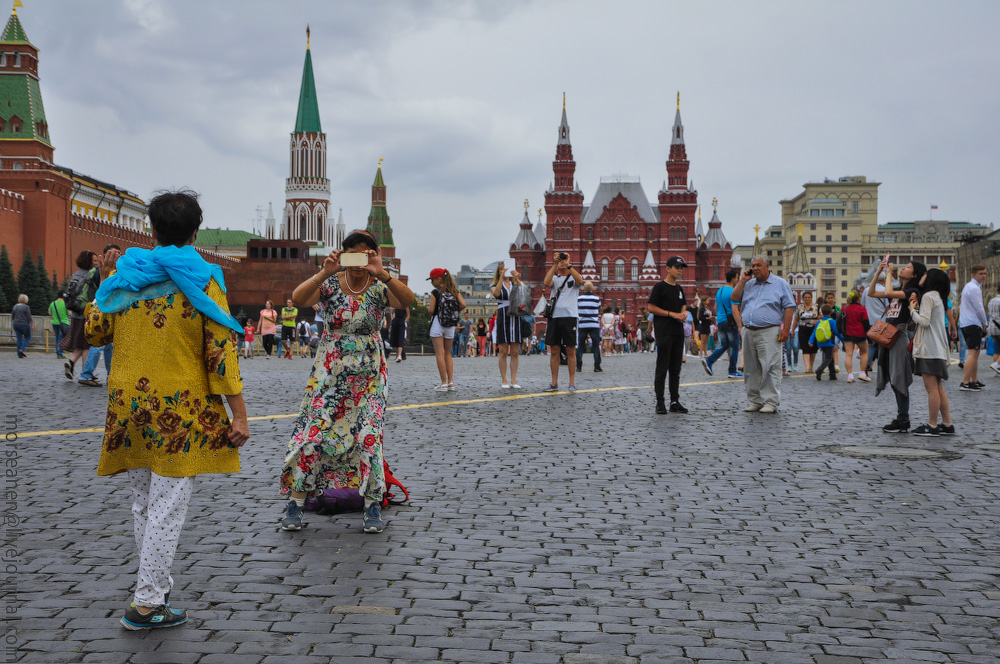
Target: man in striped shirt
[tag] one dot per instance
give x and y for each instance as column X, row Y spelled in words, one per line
column 588, row 325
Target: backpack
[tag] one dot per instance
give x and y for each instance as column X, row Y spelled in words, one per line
column 335, row 501
column 446, row 309
column 823, row 331
column 77, row 292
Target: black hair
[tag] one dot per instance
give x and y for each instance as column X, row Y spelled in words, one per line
column 937, row 280
column 111, row 246
column 919, row 270
column 354, row 238
column 84, row 259
column 731, row 274
column 175, row 216
column 826, row 310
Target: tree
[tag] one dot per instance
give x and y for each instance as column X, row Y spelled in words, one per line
column 420, row 325
column 27, row 281
column 4, row 306
column 8, row 284
column 44, row 288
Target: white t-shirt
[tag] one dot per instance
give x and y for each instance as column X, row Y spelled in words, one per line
column 566, row 305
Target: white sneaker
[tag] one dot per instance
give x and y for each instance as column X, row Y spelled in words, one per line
column 515, row 386
column 505, row 386
column 850, row 378
column 996, row 368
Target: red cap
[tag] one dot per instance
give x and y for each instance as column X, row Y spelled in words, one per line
column 437, row 272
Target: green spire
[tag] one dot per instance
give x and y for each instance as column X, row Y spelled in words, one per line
column 14, row 33
column 378, row 218
column 307, row 119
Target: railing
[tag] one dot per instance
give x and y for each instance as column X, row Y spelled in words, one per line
column 42, row 334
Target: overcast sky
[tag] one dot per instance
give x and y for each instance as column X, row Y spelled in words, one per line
column 463, row 99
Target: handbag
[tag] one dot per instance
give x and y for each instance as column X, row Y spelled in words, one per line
column 883, row 333
column 520, row 300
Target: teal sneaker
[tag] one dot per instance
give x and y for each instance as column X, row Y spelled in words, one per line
column 373, row 519
column 292, row 517
column 161, row 616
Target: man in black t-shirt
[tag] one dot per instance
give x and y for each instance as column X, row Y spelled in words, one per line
column 669, row 308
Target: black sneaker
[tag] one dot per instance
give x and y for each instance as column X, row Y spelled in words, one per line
column 961, row 365
column 551, row 388
column 819, row 376
column 161, row 616
column 676, row 407
column 946, row 429
column 979, row 385
column 598, row 370
column 897, row 426
column 926, row 430
column 661, row 408
column 291, row 519
column 833, row 376
column 968, row 387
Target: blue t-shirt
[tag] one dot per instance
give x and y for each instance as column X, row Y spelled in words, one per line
column 724, row 304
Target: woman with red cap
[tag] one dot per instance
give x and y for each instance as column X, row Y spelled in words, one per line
column 446, row 305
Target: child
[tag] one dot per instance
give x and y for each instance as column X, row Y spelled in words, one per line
column 248, row 337
column 827, row 325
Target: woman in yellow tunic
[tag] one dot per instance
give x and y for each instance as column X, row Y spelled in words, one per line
column 165, row 309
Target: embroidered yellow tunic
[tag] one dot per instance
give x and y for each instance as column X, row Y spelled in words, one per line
column 171, row 364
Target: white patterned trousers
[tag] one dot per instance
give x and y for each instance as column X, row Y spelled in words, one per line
column 158, row 508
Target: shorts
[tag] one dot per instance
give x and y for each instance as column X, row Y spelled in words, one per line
column 303, row 339
column 973, row 336
column 437, row 330
column 561, row 332
column 287, row 333
column 855, row 340
column 937, row 368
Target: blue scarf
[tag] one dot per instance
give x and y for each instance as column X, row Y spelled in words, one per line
column 143, row 274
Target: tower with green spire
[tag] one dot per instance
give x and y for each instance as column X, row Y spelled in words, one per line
column 24, row 131
column 378, row 224
column 307, row 189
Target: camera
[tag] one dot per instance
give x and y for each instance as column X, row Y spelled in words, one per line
column 562, row 255
column 353, row 259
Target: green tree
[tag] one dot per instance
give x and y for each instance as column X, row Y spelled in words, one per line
column 8, row 284
column 4, row 306
column 44, row 288
column 27, row 281
column 420, row 325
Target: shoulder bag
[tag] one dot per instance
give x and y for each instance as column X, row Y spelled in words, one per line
column 550, row 307
column 883, row 333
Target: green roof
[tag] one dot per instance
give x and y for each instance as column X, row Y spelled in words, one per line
column 218, row 237
column 14, row 33
column 379, row 182
column 307, row 119
column 24, row 100
column 378, row 218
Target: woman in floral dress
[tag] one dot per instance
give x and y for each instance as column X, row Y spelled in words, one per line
column 337, row 439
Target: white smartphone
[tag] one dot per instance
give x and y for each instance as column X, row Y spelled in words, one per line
column 353, row 259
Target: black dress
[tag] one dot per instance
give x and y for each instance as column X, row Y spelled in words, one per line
column 397, row 331
column 508, row 327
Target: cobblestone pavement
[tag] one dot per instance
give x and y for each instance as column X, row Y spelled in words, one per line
column 562, row 529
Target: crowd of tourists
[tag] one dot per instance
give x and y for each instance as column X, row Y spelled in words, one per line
column 164, row 313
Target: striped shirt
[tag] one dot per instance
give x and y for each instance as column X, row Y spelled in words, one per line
column 588, row 311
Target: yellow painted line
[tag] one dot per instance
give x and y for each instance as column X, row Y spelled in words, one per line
column 436, row 404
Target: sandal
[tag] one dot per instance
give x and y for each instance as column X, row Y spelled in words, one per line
column 69, row 369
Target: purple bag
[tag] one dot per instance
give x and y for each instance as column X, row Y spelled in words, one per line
column 336, row 501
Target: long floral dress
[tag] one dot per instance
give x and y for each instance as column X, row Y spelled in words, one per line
column 337, row 439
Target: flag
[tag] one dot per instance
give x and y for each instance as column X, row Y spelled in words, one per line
column 933, row 207
column 17, row 3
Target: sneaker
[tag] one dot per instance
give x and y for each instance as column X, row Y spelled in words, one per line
column 946, row 429
column 161, row 616
column 768, row 409
column 968, row 387
column 926, row 430
column 706, row 366
column 864, row 377
column 850, row 378
column 752, row 408
column 572, row 388
column 600, row 370
column 961, row 365
column 819, row 376
column 515, row 386
column 736, row 374
column 833, row 376
column 373, row 519
column 579, row 368
column 92, row 382
column 897, row 426
column 504, row 386
column 661, row 408
column 979, row 385
column 68, row 369
column 551, row 388
column 676, row 407
column 996, row 368
column 291, row 519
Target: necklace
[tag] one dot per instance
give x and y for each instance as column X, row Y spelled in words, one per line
column 351, row 289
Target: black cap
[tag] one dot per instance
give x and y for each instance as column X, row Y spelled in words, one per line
column 676, row 261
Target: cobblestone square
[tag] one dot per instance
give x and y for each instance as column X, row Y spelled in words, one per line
column 542, row 528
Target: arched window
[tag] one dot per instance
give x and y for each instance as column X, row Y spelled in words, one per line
column 302, row 225
column 619, row 269
column 604, row 269
column 715, row 272
column 635, row 269
column 605, row 233
column 319, row 226
column 635, row 232
column 649, row 233
column 590, row 233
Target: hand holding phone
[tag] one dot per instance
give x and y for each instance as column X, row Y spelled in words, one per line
column 353, row 259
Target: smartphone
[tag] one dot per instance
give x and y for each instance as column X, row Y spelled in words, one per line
column 885, row 261
column 353, row 259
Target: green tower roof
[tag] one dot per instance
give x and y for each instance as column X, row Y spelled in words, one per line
column 307, row 119
column 378, row 218
column 14, row 33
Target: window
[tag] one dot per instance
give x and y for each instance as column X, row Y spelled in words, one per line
column 620, row 269
column 854, row 206
column 812, row 261
column 839, row 213
column 3, row 59
column 829, row 227
column 829, row 238
column 828, row 260
column 635, row 233
column 605, row 233
column 843, row 272
column 843, row 227
column 649, row 234
column 812, row 227
column 590, row 233
column 827, row 213
column 812, row 238
column 844, row 283
column 604, row 269
column 814, row 213
column 715, row 272
column 843, row 238
column 17, row 59
column 768, row 252
column 829, row 271
column 812, row 250
column 829, row 248
column 635, row 269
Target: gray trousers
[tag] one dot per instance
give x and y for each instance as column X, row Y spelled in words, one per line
column 762, row 355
